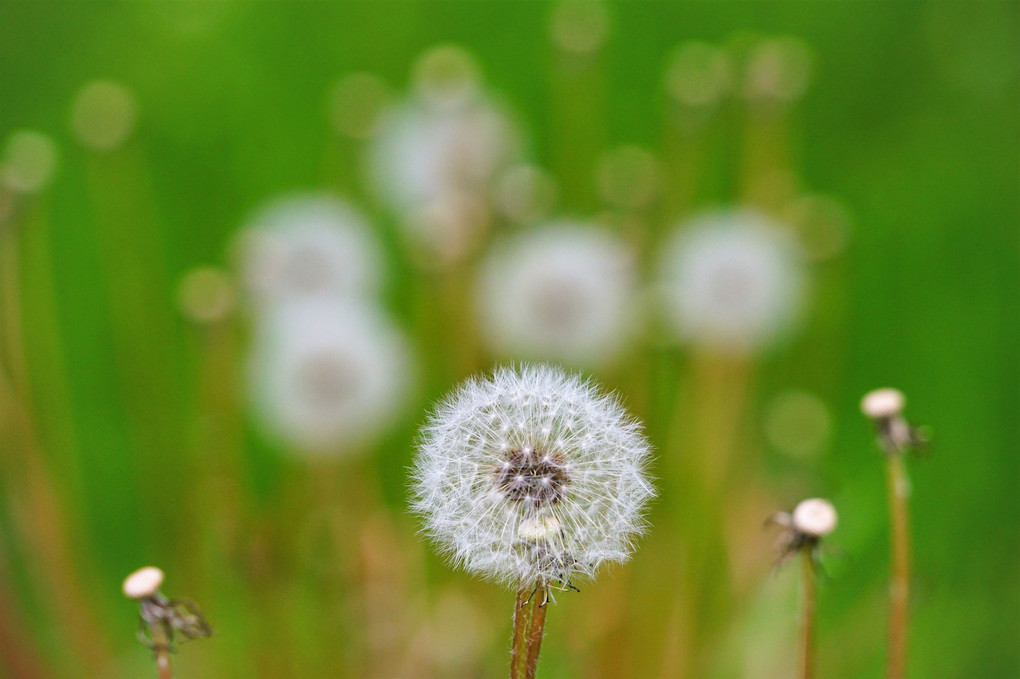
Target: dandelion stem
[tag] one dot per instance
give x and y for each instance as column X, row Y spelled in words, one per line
column 522, row 620
column 161, row 647
column 806, row 661
column 899, row 586
column 539, row 608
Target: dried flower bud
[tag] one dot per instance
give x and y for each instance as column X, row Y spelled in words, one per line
column 883, row 403
column 815, row 517
column 143, row 583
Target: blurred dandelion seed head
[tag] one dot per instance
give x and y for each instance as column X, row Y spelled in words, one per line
column 447, row 77
column 29, row 161
column 446, row 230
column 421, row 153
column 580, row 27
column 356, row 104
column 797, row 423
column 207, row 295
column 823, row 225
column 564, row 291
column 328, row 375
column 307, row 245
column 733, row 281
column 699, row 75
column 103, row 115
column 532, row 475
column 628, row 177
column 778, row 71
column 526, row 193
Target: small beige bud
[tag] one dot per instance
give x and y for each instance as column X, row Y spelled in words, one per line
column 815, row 517
column 883, row 403
column 143, row 583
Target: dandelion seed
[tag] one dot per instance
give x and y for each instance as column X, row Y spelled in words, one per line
column 733, row 281
column 545, row 508
column 562, row 292
column 327, row 375
column 308, row 245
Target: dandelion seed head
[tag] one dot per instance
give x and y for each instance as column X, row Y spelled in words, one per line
column 532, row 475
column 733, row 281
column 564, row 291
column 815, row 517
column 308, row 245
column 328, row 375
column 103, row 115
column 421, row 152
column 29, row 161
column 699, row 75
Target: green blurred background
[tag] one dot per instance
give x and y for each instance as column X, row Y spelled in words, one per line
column 911, row 120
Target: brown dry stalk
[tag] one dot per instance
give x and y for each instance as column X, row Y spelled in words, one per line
column 806, row 661
column 899, row 584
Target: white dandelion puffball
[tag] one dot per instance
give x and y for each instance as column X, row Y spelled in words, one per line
column 564, row 292
column 732, row 280
column 532, row 475
column 423, row 151
column 306, row 245
column 815, row 517
column 328, row 375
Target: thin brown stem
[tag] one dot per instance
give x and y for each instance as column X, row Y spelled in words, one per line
column 522, row 621
column 899, row 585
column 806, row 660
column 161, row 646
column 539, row 608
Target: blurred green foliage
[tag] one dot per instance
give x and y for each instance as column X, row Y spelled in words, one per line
column 912, row 120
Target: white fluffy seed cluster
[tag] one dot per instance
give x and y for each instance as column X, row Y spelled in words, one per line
column 328, row 374
column 435, row 157
column 563, row 292
column 308, row 244
column 732, row 280
column 327, row 370
column 532, row 475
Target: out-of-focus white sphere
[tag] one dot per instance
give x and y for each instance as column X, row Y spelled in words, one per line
column 421, row 152
column 328, row 375
column 563, row 292
column 883, row 403
column 815, row 517
column 733, row 281
column 143, row 583
column 308, row 245
column 29, row 161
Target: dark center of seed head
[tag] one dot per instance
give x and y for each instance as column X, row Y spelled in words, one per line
column 532, row 475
